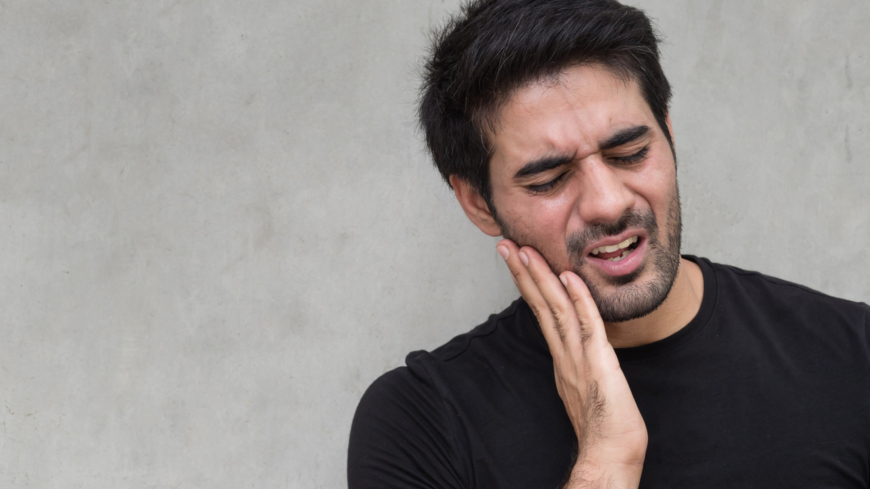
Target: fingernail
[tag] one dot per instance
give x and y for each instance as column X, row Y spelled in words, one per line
column 564, row 280
column 503, row 251
column 524, row 258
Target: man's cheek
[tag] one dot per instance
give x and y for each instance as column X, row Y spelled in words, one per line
column 553, row 250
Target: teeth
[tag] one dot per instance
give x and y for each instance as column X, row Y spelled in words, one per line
column 620, row 257
column 610, row 249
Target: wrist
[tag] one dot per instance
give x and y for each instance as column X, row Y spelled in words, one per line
column 590, row 473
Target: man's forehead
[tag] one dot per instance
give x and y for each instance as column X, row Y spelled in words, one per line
column 581, row 106
column 577, row 85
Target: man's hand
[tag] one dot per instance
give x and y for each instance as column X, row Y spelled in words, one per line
column 611, row 434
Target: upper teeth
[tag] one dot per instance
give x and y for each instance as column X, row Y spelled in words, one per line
column 612, row 248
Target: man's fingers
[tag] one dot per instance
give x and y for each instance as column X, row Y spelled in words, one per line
column 554, row 294
column 529, row 290
column 531, row 293
column 591, row 324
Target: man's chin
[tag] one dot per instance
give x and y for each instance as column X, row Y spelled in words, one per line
column 627, row 297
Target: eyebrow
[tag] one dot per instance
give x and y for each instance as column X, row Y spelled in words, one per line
column 542, row 165
column 624, row 136
column 547, row 163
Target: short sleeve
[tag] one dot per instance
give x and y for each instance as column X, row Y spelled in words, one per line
column 401, row 435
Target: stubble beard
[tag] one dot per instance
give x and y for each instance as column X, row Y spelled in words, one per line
column 630, row 300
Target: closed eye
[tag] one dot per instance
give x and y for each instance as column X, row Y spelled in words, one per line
column 631, row 159
column 546, row 187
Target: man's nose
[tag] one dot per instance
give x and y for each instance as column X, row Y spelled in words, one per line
column 604, row 197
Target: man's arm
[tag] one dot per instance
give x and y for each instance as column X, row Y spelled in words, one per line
column 401, row 436
column 611, row 434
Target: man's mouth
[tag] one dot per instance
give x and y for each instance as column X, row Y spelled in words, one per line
column 616, row 252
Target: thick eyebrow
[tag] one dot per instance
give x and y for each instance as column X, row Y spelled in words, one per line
column 624, row 136
column 547, row 163
column 541, row 165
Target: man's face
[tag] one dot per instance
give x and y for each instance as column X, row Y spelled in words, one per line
column 582, row 172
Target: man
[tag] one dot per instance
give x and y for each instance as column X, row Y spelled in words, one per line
column 625, row 364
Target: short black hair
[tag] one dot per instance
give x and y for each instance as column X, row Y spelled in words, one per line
column 494, row 47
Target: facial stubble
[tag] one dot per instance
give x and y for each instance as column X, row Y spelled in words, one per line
column 630, row 300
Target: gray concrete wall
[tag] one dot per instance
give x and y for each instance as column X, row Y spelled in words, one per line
column 219, row 226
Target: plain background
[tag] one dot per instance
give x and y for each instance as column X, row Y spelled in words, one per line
column 219, row 225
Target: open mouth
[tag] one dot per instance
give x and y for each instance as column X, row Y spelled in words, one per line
column 617, row 252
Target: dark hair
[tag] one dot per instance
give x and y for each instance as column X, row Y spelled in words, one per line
column 494, row 47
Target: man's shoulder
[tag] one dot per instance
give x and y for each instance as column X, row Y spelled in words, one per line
column 786, row 302
column 768, row 287
column 507, row 344
column 509, row 322
column 407, row 417
column 484, row 340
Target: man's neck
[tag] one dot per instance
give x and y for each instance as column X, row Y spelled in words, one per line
column 681, row 306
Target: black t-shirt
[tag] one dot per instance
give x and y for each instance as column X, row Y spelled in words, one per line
column 768, row 386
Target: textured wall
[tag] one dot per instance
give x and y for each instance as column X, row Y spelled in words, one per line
column 219, row 226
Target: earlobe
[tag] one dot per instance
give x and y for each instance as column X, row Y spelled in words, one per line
column 474, row 206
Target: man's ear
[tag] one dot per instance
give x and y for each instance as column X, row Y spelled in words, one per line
column 670, row 128
column 474, row 206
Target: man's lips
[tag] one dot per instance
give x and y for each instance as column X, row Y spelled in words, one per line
column 615, row 251
column 612, row 241
column 622, row 261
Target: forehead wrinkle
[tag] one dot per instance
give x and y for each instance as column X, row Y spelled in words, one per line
column 540, row 119
column 586, row 92
column 490, row 120
column 538, row 126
